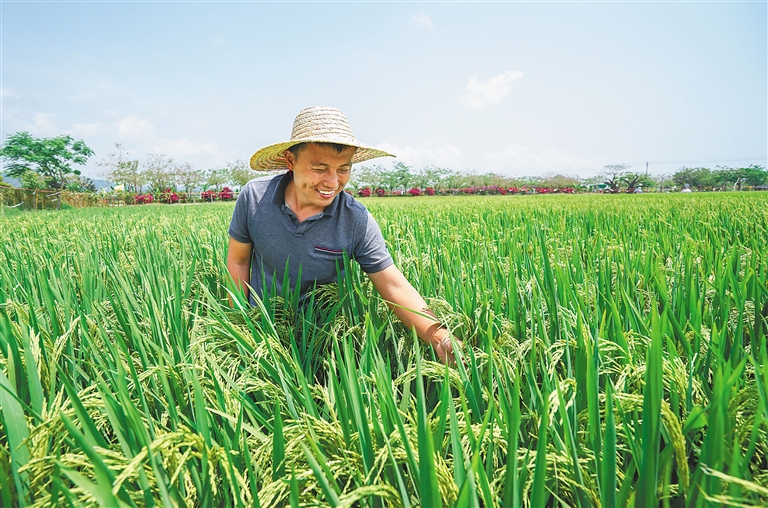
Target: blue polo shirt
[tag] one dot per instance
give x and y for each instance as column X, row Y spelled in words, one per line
column 281, row 243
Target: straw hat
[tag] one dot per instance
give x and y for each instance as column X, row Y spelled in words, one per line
column 318, row 124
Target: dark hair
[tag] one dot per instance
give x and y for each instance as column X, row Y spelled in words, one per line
column 296, row 149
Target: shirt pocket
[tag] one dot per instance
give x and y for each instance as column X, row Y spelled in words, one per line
column 329, row 252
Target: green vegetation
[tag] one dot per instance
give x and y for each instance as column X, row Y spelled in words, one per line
column 615, row 356
column 44, row 162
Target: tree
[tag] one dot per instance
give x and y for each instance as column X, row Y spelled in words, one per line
column 753, row 175
column 561, row 181
column 215, row 179
column 367, row 176
column 31, row 180
column 700, row 178
column 188, row 177
column 77, row 183
column 662, row 181
column 633, row 180
column 612, row 175
column 51, row 158
column 398, row 177
column 121, row 170
column 435, row 177
column 240, row 173
column 159, row 172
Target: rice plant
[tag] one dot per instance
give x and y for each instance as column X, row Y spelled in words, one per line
column 615, row 355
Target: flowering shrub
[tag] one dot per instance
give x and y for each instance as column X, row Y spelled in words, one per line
column 143, row 199
column 429, row 191
column 208, row 195
column 381, row 192
column 415, row 191
column 169, row 196
column 226, row 194
column 364, row 192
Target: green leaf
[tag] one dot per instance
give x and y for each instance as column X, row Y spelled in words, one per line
column 429, row 493
column 278, row 445
column 16, row 431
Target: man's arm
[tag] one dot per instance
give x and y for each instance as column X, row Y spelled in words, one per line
column 395, row 289
column 239, row 264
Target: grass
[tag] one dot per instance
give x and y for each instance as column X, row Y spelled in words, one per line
column 615, row 356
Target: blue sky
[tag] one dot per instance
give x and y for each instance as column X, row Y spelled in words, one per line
column 514, row 88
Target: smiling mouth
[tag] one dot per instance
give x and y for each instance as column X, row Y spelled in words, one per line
column 326, row 194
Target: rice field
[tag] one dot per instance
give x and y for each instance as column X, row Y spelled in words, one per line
column 615, row 355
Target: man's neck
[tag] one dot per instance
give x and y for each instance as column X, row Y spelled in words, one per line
column 302, row 212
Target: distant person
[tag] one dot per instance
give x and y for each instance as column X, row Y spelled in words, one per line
column 638, row 190
column 302, row 221
column 686, row 189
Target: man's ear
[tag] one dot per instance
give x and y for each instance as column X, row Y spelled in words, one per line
column 290, row 160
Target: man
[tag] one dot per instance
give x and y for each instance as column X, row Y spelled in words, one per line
column 303, row 222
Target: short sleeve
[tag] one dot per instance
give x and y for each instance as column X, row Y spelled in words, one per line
column 238, row 227
column 370, row 249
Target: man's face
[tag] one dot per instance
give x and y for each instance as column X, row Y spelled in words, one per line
column 319, row 174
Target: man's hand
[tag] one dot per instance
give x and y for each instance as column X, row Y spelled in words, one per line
column 239, row 265
column 444, row 349
column 405, row 302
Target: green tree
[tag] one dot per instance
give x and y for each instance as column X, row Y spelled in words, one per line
column 753, row 175
column 435, row 177
column 31, row 180
column 612, row 175
column 51, row 158
column 76, row 183
column 159, row 172
column 119, row 169
column 561, row 181
column 398, row 177
column 367, row 176
column 699, row 178
column 188, row 177
column 240, row 173
column 633, row 180
column 215, row 179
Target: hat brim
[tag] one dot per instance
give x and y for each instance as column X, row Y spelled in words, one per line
column 272, row 157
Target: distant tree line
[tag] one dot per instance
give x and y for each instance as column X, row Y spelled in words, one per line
column 48, row 163
column 617, row 177
column 159, row 172
column 612, row 178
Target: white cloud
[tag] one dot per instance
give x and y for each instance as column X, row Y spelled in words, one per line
column 134, row 127
column 7, row 94
column 44, row 122
column 217, row 39
column 184, row 147
column 520, row 161
column 489, row 92
column 443, row 156
column 88, row 129
column 422, row 19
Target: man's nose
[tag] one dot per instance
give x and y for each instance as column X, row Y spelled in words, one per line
column 331, row 179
